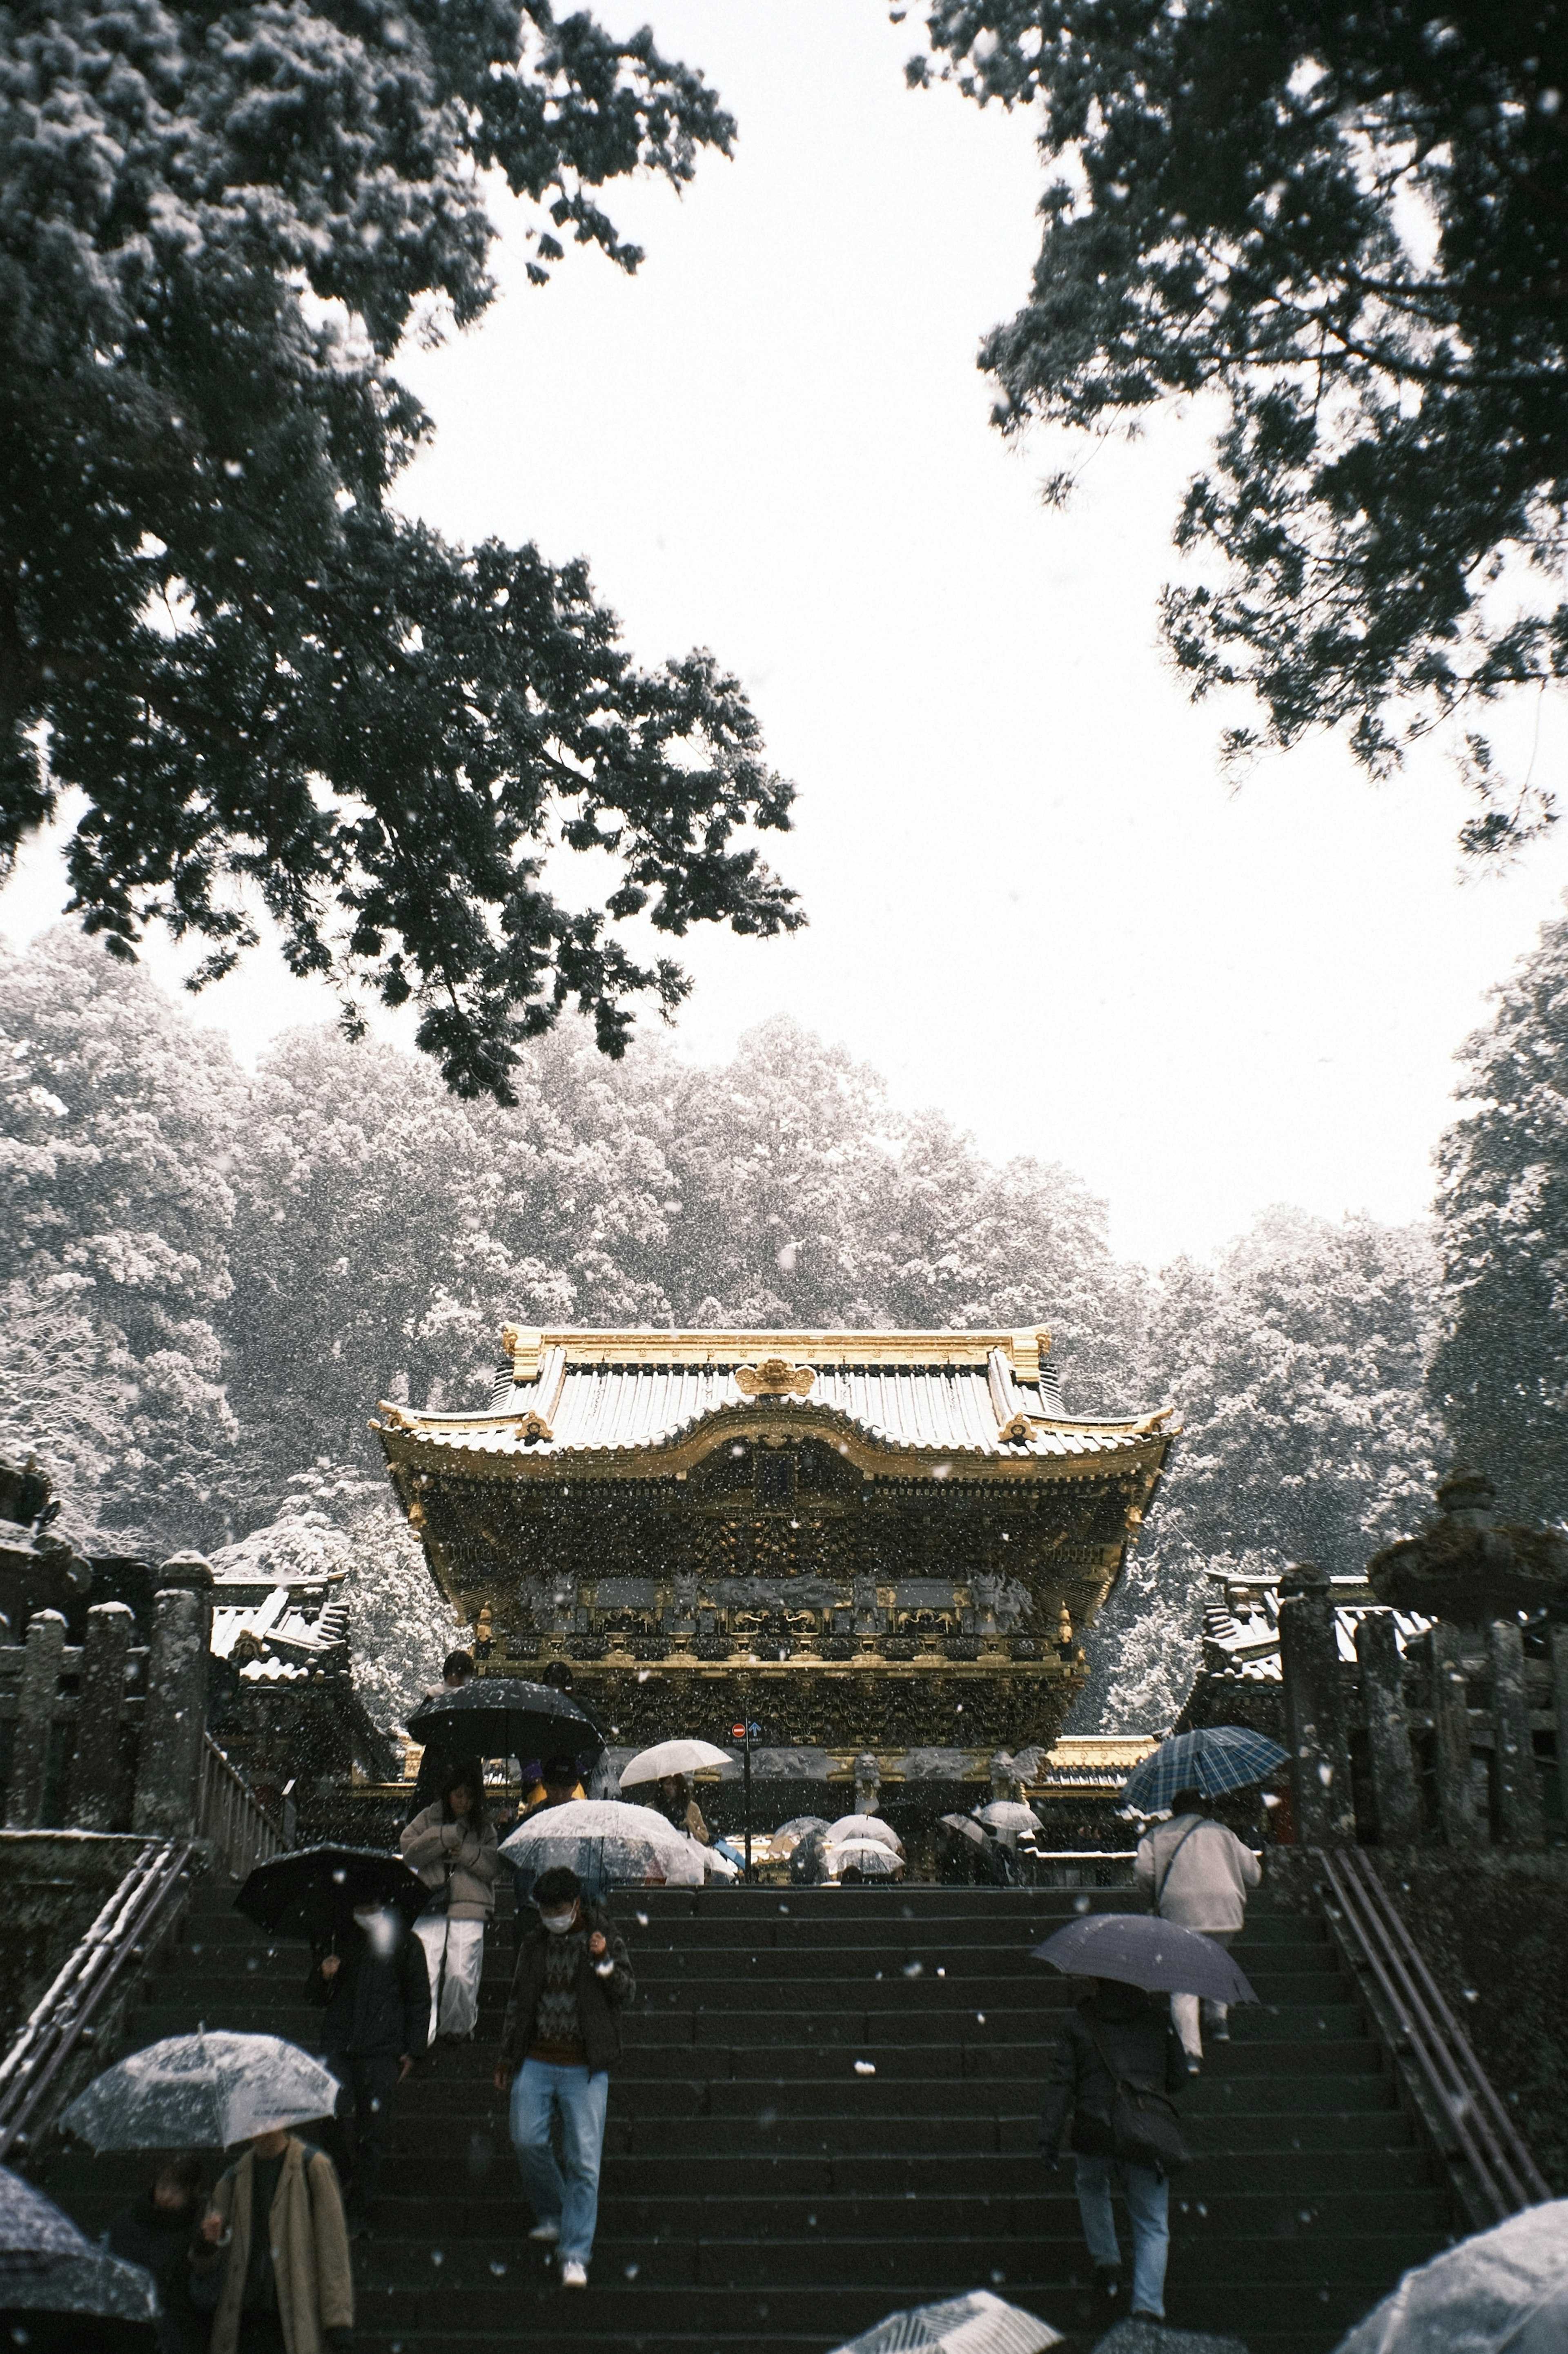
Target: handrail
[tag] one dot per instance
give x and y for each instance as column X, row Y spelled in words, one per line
column 231, row 1816
column 63, row 2018
column 1504, row 2170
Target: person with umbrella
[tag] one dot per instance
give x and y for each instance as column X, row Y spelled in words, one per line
column 559, row 2041
column 1118, row 2062
column 1118, row 2036
column 452, row 1848
column 374, row 1989
column 457, row 1669
column 1199, row 1874
column 154, row 2232
column 273, row 2249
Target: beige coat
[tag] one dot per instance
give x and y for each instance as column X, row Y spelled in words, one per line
column 309, row 2251
column 1210, row 1873
column 453, row 1856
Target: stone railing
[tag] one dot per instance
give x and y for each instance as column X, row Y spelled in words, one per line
column 1462, row 1738
column 108, row 1737
column 231, row 1818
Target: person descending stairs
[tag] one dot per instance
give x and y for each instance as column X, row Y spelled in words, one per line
column 828, row 2107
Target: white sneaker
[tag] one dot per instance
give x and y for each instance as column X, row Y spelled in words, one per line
column 547, row 2233
column 573, row 2275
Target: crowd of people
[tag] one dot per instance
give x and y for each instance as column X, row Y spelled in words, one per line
column 262, row 2265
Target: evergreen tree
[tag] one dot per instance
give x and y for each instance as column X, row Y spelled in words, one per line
column 217, row 224
column 1298, row 1357
column 118, row 1119
column 1499, row 1376
column 1347, row 223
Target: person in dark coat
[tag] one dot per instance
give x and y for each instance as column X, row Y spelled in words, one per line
column 1116, row 2034
column 457, row 1668
column 374, row 1989
column 560, row 2039
column 154, row 2232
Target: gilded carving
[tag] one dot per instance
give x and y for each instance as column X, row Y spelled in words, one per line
column 774, row 1377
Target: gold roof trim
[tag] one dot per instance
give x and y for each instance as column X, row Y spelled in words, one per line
column 528, row 1345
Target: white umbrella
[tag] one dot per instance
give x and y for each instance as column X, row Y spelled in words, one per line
column 672, row 1757
column 1505, row 2287
column 1008, row 1815
column 719, row 1867
column 799, row 1827
column 602, row 1840
column 871, row 1827
column 874, row 1856
column 977, row 2324
column 202, row 2092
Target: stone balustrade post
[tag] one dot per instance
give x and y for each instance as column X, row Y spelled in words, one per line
column 1395, row 1781
column 27, row 1783
column 1559, row 1708
column 1314, row 1710
column 1451, row 1729
column 1520, row 1817
column 168, row 1771
column 96, row 1779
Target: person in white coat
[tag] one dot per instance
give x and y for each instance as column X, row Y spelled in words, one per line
column 1199, row 1874
column 453, row 1847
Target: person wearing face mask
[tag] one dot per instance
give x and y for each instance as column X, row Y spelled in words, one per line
column 560, row 2039
column 374, row 1989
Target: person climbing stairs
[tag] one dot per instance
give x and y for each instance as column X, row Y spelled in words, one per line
column 828, row 2107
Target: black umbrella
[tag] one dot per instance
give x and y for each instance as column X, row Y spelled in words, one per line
column 306, row 1893
column 503, row 1716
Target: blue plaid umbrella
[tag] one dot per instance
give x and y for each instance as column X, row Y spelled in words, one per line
column 1216, row 1758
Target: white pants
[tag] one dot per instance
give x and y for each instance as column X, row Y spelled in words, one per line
column 454, row 1955
column 1184, row 2008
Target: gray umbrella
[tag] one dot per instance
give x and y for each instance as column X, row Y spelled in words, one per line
column 977, row 2324
column 202, row 2092
column 1136, row 1949
column 33, row 2232
column 1506, row 2288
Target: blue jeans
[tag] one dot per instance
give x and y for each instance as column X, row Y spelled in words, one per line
column 540, row 2092
column 1148, row 2203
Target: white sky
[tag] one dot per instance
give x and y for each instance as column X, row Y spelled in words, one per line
column 1033, row 901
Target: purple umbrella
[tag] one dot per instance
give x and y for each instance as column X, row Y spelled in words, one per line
column 1138, row 1950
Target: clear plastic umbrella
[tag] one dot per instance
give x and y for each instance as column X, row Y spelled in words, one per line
column 673, row 1757
column 603, row 1842
column 202, row 2092
column 977, row 2324
column 1008, row 1815
column 871, row 1827
column 34, row 2234
column 872, row 1857
column 799, row 1827
column 1504, row 2288
column 93, row 2285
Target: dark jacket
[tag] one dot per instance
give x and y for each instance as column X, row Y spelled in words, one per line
column 599, row 1998
column 1134, row 2032
column 143, row 2234
column 376, row 2008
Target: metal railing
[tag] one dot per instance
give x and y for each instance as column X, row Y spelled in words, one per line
column 1504, row 2173
column 230, row 1815
column 63, row 2017
column 1110, row 1867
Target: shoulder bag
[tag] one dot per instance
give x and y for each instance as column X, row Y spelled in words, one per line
column 1143, row 2130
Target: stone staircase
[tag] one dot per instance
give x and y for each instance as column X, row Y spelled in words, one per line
column 827, row 2109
